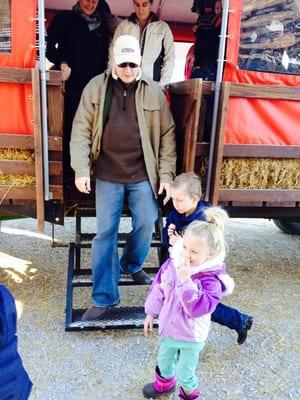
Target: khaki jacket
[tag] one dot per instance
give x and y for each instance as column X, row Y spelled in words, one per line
column 157, row 129
column 155, row 36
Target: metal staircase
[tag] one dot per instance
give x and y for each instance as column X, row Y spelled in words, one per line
column 78, row 277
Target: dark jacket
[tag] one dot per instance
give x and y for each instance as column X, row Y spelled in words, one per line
column 14, row 381
column 181, row 221
column 85, row 51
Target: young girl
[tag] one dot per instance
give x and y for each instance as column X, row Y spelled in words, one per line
column 186, row 194
column 185, row 292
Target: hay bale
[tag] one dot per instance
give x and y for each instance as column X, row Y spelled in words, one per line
column 17, row 154
column 17, row 180
column 260, row 173
column 256, row 173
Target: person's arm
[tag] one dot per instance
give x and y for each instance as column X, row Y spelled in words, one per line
column 155, row 297
column 81, row 136
column 169, row 57
column 167, row 149
column 55, row 34
column 199, row 297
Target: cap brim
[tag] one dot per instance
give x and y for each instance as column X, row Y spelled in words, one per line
column 128, row 58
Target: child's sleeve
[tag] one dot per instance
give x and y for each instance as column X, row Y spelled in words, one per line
column 200, row 297
column 155, row 298
column 165, row 235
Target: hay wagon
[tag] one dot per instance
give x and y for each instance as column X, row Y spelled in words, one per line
column 245, row 142
column 240, row 133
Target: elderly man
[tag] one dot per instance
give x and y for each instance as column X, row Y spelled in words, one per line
column 123, row 131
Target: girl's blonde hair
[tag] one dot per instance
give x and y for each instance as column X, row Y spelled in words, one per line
column 189, row 182
column 212, row 229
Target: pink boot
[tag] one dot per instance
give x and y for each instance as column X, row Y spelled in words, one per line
column 194, row 395
column 159, row 387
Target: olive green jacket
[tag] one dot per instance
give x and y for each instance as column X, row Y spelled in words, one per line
column 157, row 129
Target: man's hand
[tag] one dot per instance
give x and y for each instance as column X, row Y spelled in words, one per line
column 65, row 71
column 184, row 272
column 148, row 325
column 83, row 184
column 167, row 187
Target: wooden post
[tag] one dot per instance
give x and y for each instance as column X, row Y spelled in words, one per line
column 219, row 145
column 40, row 205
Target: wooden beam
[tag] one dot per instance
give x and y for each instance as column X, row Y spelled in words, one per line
column 55, row 143
column 10, row 192
column 265, row 195
column 54, row 78
column 13, row 141
column 55, row 110
column 261, row 151
column 11, row 167
column 264, row 91
column 38, row 147
column 219, row 145
column 15, row 75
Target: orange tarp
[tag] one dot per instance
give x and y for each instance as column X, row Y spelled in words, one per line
column 257, row 121
column 15, row 99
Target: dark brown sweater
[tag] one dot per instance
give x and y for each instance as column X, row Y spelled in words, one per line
column 121, row 158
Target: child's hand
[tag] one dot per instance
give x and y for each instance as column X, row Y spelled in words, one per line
column 148, row 325
column 171, row 230
column 173, row 239
column 184, row 272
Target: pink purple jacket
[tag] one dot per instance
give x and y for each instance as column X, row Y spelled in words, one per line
column 185, row 309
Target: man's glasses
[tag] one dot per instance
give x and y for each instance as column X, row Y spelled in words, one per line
column 128, row 64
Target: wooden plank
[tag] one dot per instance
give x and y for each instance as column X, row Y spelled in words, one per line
column 264, row 91
column 219, row 145
column 54, row 78
column 247, row 204
column 282, row 204
column 266, row 195
column 38, row 148
column 13, row 141
column 27, row 192
column 55, row 111
column 191, row 131
column 55, row 143
column 17, row 167
column 12, row 167
column 15, row 75
column 261, row 151
column 55, row 168
column 17, row 192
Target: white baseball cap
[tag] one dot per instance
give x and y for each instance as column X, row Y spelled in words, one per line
column 127, row 49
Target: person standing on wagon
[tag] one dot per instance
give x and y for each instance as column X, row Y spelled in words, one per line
column 155, row 38
column 125, row 130
column 77, row 45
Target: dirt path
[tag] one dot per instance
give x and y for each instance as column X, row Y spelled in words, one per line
column 114, row 365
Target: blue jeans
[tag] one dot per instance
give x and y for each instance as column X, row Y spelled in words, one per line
column 105, row 259
column 230, row 317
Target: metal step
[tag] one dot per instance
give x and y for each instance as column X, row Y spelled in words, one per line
column 125, row 280
column 115, row 318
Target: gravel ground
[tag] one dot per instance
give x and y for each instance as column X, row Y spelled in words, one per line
column 114, row 365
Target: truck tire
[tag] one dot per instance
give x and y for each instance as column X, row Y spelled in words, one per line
column 287, row 226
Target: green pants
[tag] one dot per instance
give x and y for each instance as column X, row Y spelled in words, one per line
column 180, row 359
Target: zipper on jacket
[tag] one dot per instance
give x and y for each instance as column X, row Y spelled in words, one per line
column 124, row 99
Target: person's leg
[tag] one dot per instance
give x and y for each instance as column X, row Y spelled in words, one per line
column 233, row 319
column 105, row 259
column 186, row 371
column 165, row 381
column 144, row 212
